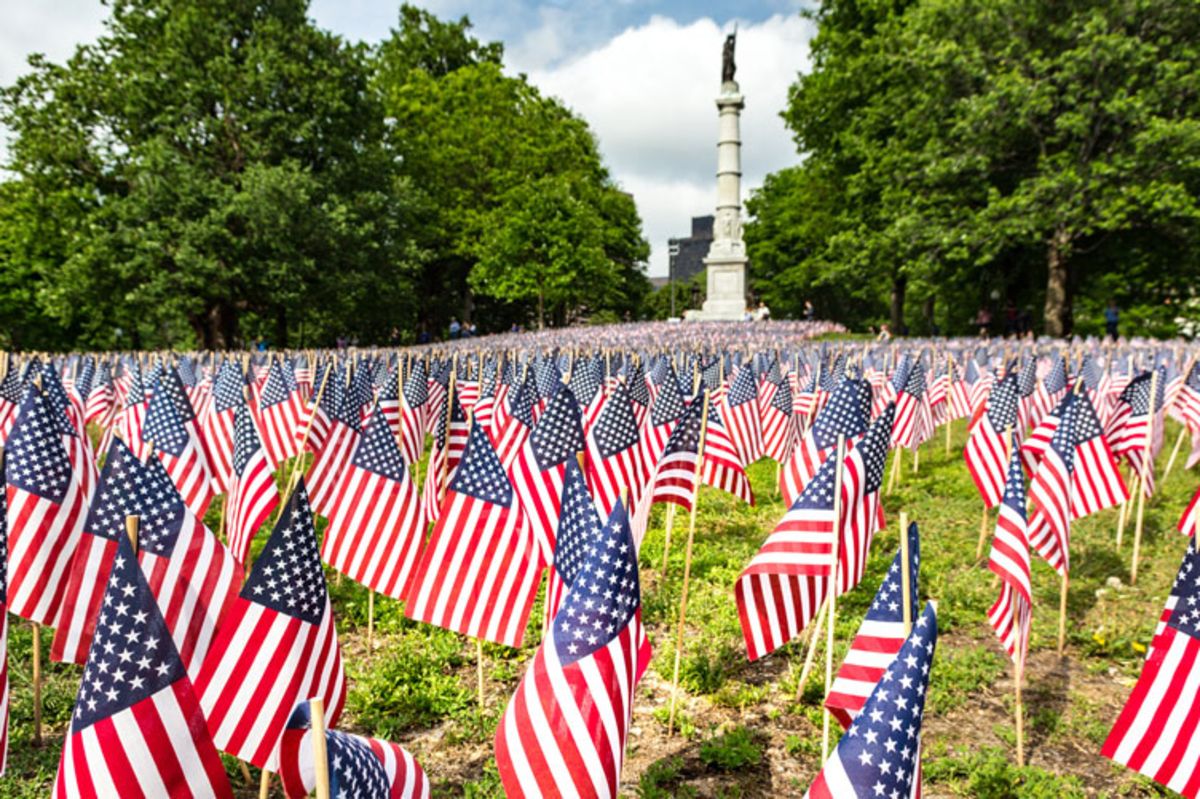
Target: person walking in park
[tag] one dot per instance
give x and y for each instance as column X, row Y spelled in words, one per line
column 1112, row 319
column 455, row 328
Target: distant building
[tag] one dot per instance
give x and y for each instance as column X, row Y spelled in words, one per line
column 687, row 255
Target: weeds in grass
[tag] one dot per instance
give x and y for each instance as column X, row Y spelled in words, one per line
column 731, row 751
column 990, row 773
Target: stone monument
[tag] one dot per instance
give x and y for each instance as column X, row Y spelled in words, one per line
column 726, row 261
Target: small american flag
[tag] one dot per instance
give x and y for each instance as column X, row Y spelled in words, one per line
column 192, row 575
column 1050, row 527
column 253, row 495
column 137, row 729
column 739, row 410
column 880, row 754
column 984, row 452
column 10, row 401
column 172, row 429
column 564, row 731
column 280, row 411
column 277, row 646
column 779, row 425
column 1154, row 732
column 1010, row 615
column 843, row 414
column 345, row 427
column 3, row 625
column 46, row 511
column 578, row 524
column 359, row 767
column 228, row 395
column 479, row 572
column 613, row 451
column 518, row 422
column 878, row 639
column 375, row 533
column 722, row 467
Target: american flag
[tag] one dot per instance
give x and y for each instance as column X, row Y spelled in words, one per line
column 191, row 573
column 667, row 407
column 1188, row 399
column 1027, row 384
column 413, row 409
column 330, row 461
column 1155, row 731
column 449, row 441
column 1034, row 445
column 674, row 477
column 132, row 418
column 861, row 508
column 842, row 414
column 914, row 422
column 537, row 472
column 70, row 426
column 879, row 637
column 1187, row 522
column 321, row 411
column 485, row 406
column 722, row 467
column 171, row 428
column 587, row 380
column 739, row 411
column 984, row 452
column 1051, row 389
column 564, row 731
column 880, row 754
column 1137, row 417
column 1051, row 490
column 137, row 728
column 10, row 400
column 1011, row 614
column 779, row 425
column 98, row 402
column 577, row 522
column 518, row 422
column 359, row 767
column 278, row 645
column 614, row 451
column 229, row 394
column 479, row 572
column 253, row 495
column 375, row 532
column 46, row 511
column 1096, row 483
column 280, row 413
column 3, row 625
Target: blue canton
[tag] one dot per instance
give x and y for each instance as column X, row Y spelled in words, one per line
column 129, row 487
column 479, row 473
column 36, row 460
column 287, row 576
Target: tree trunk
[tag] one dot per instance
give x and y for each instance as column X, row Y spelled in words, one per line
column 541, row 310
column 1056, row 312
column 281, row 328
column 899, row 287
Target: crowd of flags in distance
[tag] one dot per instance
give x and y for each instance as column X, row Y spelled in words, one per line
column 545, row 456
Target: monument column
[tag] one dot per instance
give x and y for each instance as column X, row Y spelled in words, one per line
column 726, row 261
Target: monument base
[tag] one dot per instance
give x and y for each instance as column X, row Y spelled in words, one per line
column 726, row 290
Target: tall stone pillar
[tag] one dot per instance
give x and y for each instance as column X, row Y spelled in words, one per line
column 726, row 261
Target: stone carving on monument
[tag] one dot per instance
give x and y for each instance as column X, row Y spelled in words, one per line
column 726, row 261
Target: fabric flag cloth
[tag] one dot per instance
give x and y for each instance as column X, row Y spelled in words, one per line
column 359, row 767
column 278, row 645
column 563, row 733
column 578, row 520
column 345, row 427
column 10, row 400
column 1155, row 733
column 1009, row 560
column 137, row 729
column 191, row 574
column 375, row 533
column 478, row 574
column 45, row 515
column 842, row 414
column 722, row 466
column 229, row 394
column 537, row 472
column 132, row 418
column 914, row 421
column 739, row 410
column 253, row 495
column 444, row 457
column 1187, row 522
column 171, row 428
column 280, row 411
column 3, row 625
column 984, row 452
column 880, row 754
column 879, row 637
column 518, row 423
column 614, row 452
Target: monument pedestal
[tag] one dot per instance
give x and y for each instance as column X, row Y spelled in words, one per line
column 726, row 289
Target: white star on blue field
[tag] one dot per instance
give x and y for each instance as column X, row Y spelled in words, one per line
column 643, row 73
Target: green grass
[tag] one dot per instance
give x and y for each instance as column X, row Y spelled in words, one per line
column 744, row 731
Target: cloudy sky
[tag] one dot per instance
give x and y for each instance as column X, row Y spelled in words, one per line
column 644, row 73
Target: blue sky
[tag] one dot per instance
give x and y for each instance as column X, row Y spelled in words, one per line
column 644, row 74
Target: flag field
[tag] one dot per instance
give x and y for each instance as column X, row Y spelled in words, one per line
column 744, row 732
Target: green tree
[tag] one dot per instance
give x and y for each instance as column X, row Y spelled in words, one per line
column 223, row 165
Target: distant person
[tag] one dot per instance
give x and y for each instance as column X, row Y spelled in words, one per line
column 809, row 311
column 1112, row 319
column 455, row 328
column 983, row 320
column 885, row 334
column 762, row 313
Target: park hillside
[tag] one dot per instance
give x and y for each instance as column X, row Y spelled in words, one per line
column 221, row 173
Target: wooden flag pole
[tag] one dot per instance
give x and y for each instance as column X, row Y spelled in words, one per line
column 949, row 393
column 983, row 531
column 479, row 671
column 687, row 565
column 1147, row 465
column 320, row 751
column 833, row 588
column 1020, row 677
column 1062, row 615
column 813, row 640
column 906, row 574
column 370, row 621
column 37, row 684
column 669, row 523
column 1175, row 452
column 894, row 476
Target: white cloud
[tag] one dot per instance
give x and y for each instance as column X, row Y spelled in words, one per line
column 649, row 93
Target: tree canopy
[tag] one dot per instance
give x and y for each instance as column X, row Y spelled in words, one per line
column 963, row 153
column 209, row 173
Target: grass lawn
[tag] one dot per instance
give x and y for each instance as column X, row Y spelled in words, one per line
column 748, row 729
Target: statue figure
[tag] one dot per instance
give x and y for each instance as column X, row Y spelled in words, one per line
column 728, row 68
